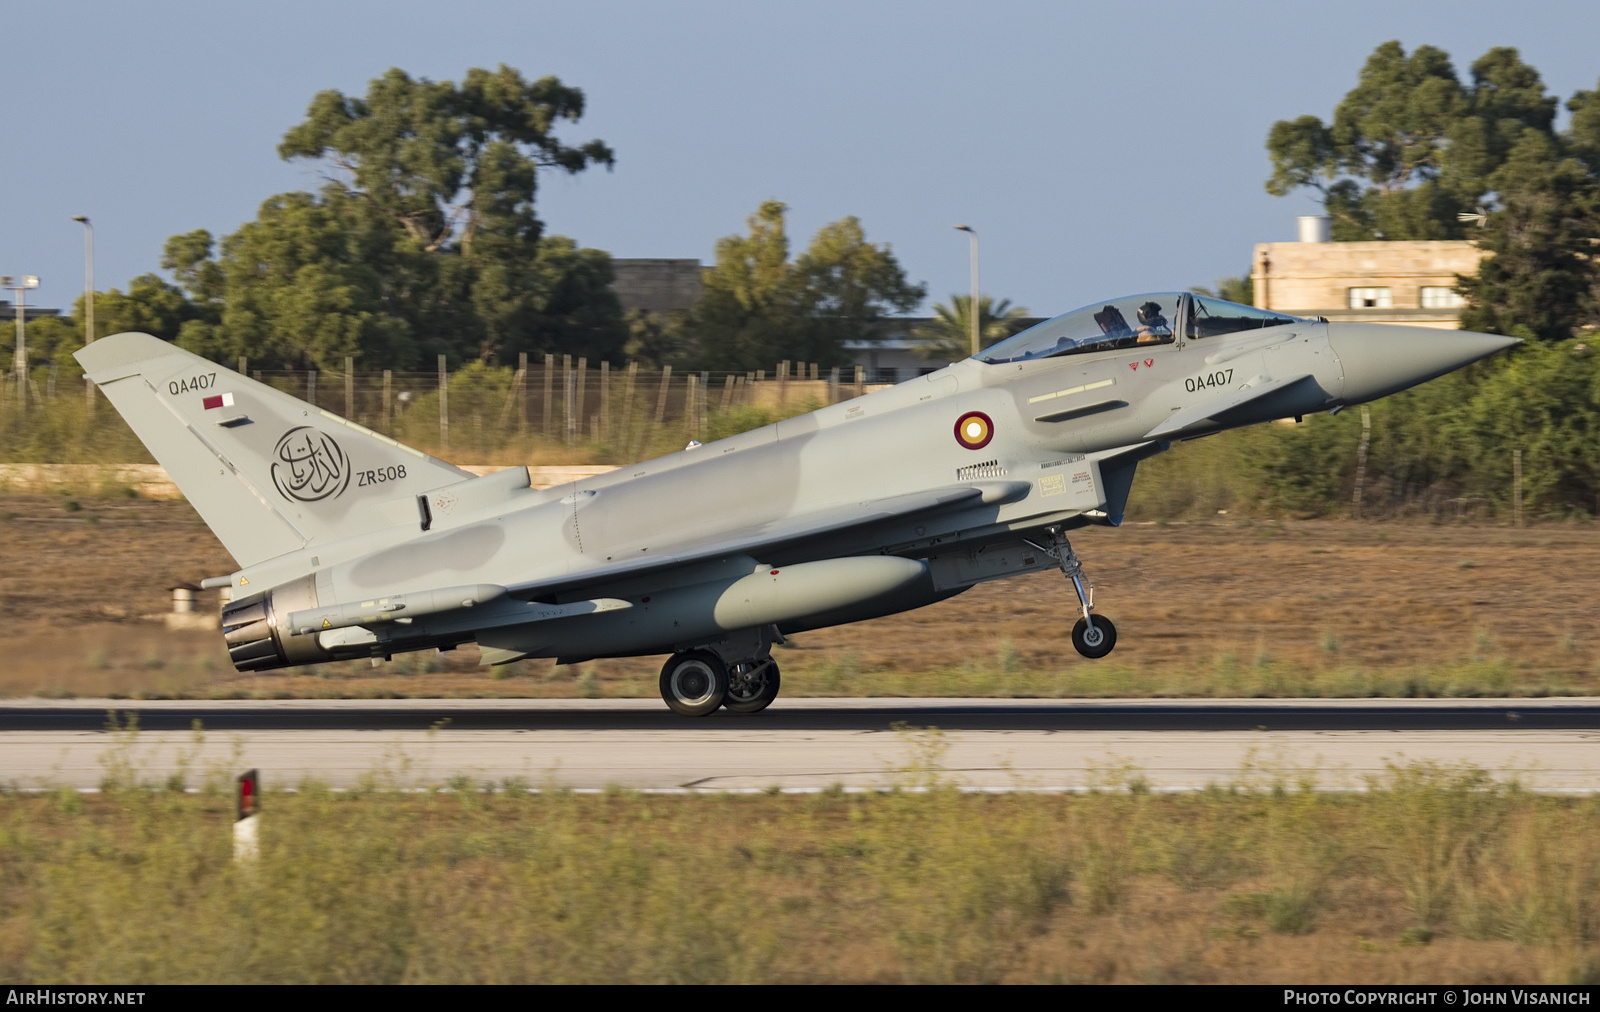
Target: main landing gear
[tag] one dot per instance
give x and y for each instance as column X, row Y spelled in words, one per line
column 695, row 682
column 1093, row 635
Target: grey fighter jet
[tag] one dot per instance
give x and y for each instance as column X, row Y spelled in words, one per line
column 352, row 545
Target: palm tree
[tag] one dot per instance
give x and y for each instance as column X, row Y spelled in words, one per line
column 948, row 338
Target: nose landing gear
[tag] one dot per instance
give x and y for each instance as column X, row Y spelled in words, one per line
column 1093, row 635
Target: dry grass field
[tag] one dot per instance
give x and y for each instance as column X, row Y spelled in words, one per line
column 1431, row 876
column 1220, row 607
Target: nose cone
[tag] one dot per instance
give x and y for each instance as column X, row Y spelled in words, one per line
column 1380, row 359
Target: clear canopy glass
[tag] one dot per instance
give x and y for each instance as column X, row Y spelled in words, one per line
column 1211, row 317
column 1131, row 322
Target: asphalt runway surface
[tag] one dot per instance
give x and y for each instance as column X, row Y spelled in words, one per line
column 803, row 744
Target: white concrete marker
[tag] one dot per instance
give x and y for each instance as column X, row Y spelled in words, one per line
column 247, row 821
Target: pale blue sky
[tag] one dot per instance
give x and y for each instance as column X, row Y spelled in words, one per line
column 1100, row 149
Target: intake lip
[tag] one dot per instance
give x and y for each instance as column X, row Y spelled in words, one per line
column 1379, row 359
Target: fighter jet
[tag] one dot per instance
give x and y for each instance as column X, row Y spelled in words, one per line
column 353, row 545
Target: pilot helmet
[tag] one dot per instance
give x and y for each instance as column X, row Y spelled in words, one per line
column 1150, row 313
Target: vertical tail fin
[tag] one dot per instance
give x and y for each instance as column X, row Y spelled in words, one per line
column 268, row 473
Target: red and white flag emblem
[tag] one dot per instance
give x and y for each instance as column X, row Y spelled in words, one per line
column 218, row 401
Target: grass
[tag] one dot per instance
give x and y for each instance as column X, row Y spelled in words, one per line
column 1485, row 672
column 1432, row 874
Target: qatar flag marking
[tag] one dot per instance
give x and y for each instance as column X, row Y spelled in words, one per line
column 218, row 401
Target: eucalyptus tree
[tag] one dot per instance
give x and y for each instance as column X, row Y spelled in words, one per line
column 422, row 240
column 759, row 307
column 1411, row 147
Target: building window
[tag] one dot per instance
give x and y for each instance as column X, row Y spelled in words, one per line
column 1371, row 298
column 1441, row 297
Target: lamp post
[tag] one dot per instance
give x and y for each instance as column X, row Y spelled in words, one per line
column 88, row 299
column 20, row 362
column 972, row 310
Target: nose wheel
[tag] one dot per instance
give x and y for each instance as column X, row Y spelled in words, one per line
column 1093, row 635
column 1095, row 640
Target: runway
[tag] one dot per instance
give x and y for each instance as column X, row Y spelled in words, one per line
column 802, row 744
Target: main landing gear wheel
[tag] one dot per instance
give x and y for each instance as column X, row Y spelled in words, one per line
column 694, row 683
column 1096, row 642
column 752, row 685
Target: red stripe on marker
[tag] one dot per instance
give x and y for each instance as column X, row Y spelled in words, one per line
column 213, row 402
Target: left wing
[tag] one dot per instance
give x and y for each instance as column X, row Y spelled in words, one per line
column 773, row 535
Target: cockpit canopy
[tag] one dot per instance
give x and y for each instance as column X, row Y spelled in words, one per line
column 1132, row 322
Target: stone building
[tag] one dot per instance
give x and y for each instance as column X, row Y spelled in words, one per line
column 656, row 286
column 1410, row 282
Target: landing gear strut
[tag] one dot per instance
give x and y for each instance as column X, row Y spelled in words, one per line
column 752, row 685
column 1092, row 635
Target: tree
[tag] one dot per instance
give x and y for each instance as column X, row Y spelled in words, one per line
column 850, row 284
column 450, row 165
column 758, row 308
column 948, row 337
column 1241, row 289
column 1540, row 277
column 1411, row 147
column 423, row 240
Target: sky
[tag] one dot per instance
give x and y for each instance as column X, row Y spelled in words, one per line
column 1098, row 149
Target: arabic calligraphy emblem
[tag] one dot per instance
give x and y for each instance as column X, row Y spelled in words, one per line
column 309, row 466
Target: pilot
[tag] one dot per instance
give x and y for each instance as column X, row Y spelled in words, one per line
column 1153, row 328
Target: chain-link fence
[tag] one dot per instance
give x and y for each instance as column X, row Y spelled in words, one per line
column 556, row 409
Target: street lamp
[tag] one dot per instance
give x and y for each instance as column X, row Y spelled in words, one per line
column 20, row 362
column 972, row 310
column 88, row 299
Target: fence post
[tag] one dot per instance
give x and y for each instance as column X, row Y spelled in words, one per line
column 691, row 397
column 522, row 393
column 1361, row 461
column 244, row 366
column 833, row 386
column 349, row 388
column 583, row 386
column 444, row 404
column 311, row 387
column 605, row 400
column 727, row 392
column 1516, row 488
column 566, row 398
column 861, row 379
column 783, row 384
column 661, row 395
column 549, row 392
column 627, row 404
column 388, row 405
column 703, row 403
